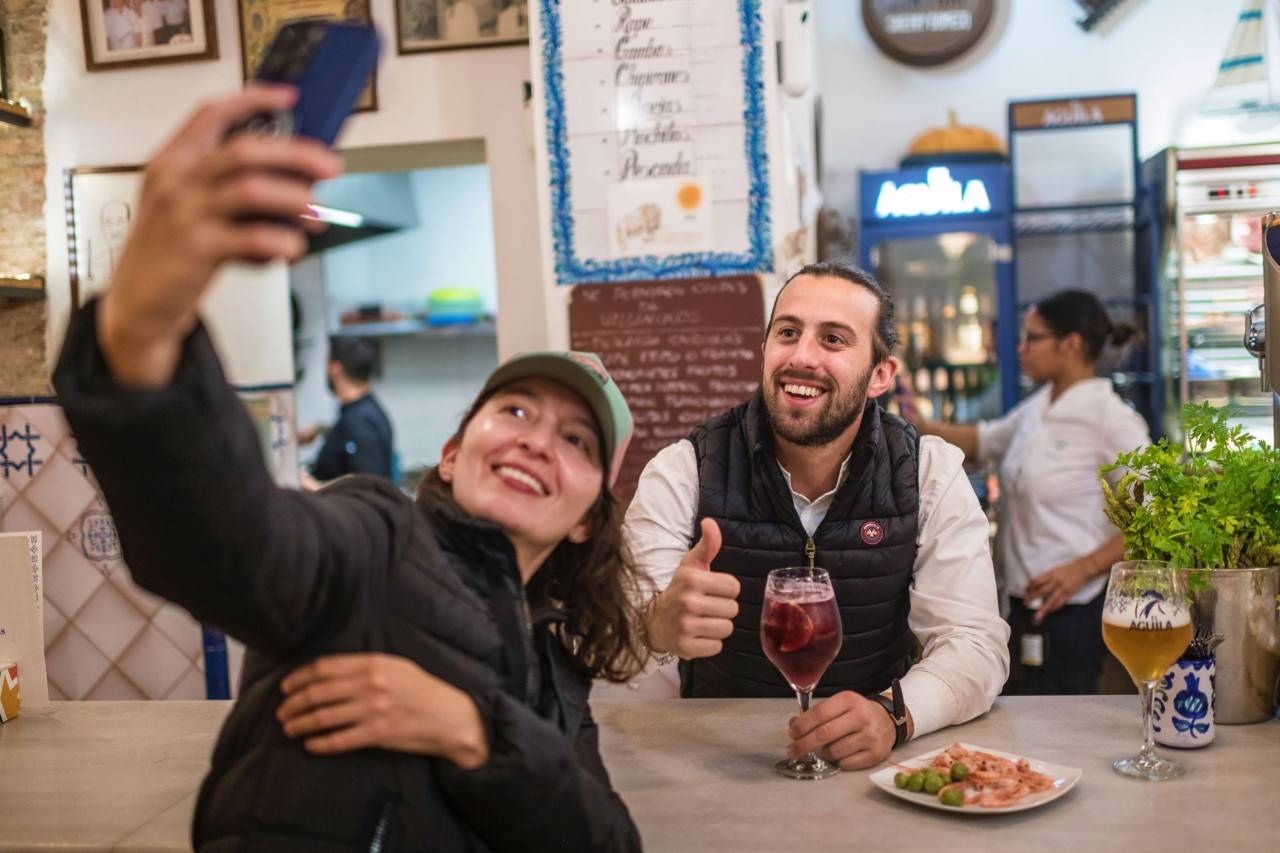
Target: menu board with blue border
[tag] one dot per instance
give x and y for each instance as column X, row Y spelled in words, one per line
column 656, row 140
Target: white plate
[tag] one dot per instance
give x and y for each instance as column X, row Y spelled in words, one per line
column 1064, row 779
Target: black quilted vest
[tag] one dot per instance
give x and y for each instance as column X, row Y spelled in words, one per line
column 867, row 543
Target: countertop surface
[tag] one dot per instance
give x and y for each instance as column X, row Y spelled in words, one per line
column 696, row 775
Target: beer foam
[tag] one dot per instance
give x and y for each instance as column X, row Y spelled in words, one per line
column 1126, row 620
column 802, row 592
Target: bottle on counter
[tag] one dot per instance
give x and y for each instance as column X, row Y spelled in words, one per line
column 1031, row 652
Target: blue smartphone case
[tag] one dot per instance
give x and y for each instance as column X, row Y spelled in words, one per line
column 329, row 64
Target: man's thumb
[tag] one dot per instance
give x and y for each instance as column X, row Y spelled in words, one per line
column 709, row 545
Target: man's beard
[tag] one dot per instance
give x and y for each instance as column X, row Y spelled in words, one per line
column 824, row 424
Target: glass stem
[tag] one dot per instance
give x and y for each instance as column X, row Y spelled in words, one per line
column 804, row 696
column 1147, row 689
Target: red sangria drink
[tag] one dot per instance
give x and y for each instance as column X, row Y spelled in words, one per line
column 800, row 631
column 801, row 634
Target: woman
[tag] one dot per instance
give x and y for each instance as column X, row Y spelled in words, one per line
column 490, row 602
column 1055, row 545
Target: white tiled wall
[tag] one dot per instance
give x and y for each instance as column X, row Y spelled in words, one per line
column 105, row 638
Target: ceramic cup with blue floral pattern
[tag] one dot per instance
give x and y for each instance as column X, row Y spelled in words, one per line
column 1182, row 706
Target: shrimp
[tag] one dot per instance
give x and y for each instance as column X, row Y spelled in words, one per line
column 993, row 782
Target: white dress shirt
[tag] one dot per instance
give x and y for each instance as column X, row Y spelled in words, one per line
column 1047, row 455
column 123, row 28
column 953, row 592
column 152, row 19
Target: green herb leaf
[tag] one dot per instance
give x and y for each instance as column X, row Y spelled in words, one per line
column 1213, row 504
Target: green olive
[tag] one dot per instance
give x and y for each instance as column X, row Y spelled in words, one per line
column 952, row 797
column 915, row 783
column 933, row 784
column 900, row 779
column 959, row 771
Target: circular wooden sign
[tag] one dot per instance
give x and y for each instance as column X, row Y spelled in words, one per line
column 926, row 32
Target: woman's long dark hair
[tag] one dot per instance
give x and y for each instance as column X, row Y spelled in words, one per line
column 1080, row 312
column 596, row 582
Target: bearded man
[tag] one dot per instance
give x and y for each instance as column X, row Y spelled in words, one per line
column 811, row 472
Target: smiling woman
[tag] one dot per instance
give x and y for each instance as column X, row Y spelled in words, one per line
column 448, row 644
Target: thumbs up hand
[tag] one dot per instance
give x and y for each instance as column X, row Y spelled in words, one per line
column 694, row 614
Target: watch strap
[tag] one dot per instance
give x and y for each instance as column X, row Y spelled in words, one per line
column 896, row 709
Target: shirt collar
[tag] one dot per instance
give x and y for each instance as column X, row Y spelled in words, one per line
column 840, row 478
column 1079, row 394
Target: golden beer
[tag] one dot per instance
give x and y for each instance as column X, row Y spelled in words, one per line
column 1147, row 653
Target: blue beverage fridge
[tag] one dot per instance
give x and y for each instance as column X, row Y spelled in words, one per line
column 939, row 239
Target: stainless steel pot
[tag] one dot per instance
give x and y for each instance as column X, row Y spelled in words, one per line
column 1241, row 605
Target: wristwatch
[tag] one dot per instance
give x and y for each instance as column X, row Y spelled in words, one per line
column 897, row 711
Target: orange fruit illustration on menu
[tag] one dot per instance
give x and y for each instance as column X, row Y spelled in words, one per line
column 689, row 196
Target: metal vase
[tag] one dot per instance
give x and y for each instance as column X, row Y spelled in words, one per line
column 1241, row 606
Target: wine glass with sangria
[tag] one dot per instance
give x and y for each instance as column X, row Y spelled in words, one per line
column 801, row 634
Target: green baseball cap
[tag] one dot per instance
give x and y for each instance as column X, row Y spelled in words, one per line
column 584, row 374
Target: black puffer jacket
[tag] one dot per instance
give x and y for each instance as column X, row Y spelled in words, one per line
column 358, row 567
column 866, row 541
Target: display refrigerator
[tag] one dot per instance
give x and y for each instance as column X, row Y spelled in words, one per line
column 1079, row 219
column 1209, row 263
column 938, row 238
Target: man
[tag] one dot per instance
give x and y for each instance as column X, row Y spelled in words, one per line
column 808, row 472
column 123, row 26
column 360, row 442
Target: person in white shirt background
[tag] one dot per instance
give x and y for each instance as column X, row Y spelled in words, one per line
column 123, row 26
column 152, row 12
column 822, row 474
column 1053, row 542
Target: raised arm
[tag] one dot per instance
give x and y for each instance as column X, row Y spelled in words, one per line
column 963, row 436
column 206, row 200
column 178, row 460
column 691, row 609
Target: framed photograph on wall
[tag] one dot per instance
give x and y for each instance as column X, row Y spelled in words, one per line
column 100, row 204
column 129, row 33
column 426, row 25
column 259, row 20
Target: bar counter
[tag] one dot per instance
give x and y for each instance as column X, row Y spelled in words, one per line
column 696, row 775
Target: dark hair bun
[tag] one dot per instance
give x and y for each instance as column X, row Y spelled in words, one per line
column 1080, row 312
column 1122, row 334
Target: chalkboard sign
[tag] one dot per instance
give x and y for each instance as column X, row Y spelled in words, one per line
column 681, row 350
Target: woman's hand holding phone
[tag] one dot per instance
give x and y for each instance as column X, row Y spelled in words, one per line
column 206, row 200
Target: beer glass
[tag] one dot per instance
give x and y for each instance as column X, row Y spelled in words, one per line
column 1146, row 623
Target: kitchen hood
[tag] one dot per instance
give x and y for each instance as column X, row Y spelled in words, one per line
column 344, row 226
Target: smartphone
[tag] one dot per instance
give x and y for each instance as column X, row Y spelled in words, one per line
column 329, row 64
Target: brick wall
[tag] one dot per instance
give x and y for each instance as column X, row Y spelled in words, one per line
column 22, row 172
